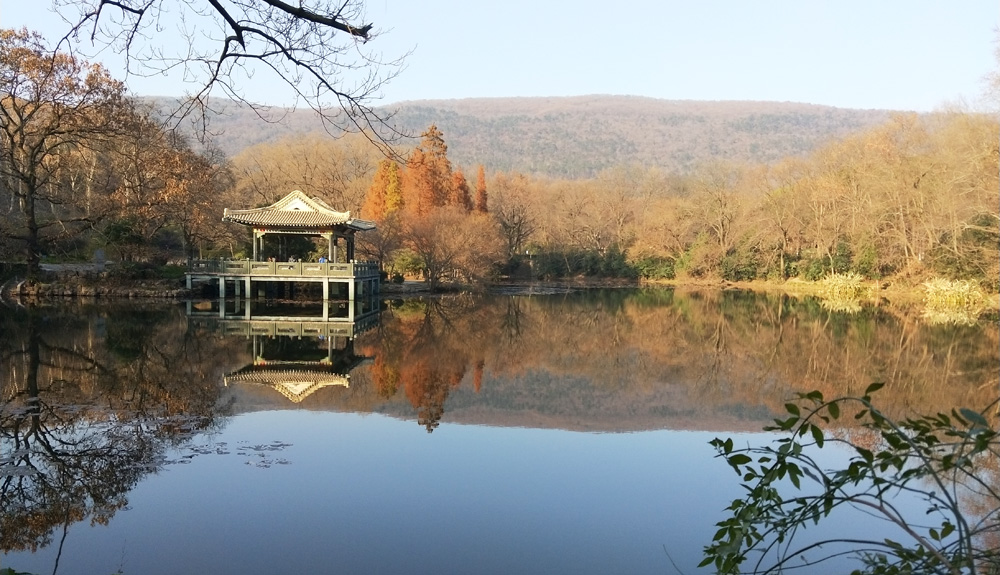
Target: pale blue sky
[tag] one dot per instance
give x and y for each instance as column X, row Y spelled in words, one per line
column 893, row 54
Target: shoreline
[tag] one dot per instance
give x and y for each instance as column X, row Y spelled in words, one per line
column 79, row 286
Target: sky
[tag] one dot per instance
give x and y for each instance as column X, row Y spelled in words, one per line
column 883, row 54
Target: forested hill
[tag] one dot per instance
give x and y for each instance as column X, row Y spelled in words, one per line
column 577, row 137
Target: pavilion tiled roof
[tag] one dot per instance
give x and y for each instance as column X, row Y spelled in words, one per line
column 296, row 210
column 295, row 382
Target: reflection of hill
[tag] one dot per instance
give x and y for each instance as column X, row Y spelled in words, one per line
column 629, row 359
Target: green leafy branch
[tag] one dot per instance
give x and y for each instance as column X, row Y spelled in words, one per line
column 947, row 461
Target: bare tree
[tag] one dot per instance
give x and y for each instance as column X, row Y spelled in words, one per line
column 511, row 210
column 316, row 47
column 50, row 105
column 453, row 245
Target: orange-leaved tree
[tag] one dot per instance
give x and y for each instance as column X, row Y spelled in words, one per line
column 481, row 196
column 460, row 195
column 385, row 194
column 427, row 181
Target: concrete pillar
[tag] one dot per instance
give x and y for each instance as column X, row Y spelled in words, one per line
column 350, row 290
column 222, row 287
column 249, row 291
column 326, row 292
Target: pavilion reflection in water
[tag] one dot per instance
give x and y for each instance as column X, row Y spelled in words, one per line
column 297, row 349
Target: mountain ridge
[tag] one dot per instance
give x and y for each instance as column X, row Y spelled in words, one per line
column 579, row 136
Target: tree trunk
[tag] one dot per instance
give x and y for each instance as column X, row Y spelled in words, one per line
column 31, row 249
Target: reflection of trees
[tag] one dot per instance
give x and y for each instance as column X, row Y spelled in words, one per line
column 663, row 351
column 420, row 347
column 88, row 409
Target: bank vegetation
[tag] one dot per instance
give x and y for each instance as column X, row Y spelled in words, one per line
column 86, row 170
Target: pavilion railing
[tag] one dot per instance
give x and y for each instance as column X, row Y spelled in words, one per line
column 242, row 268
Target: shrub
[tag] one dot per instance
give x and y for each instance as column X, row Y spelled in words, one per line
column 941, row 459
column 844, row 292
column 655, row 268
column 953, row 301
column 848, row 286
column 740, row 265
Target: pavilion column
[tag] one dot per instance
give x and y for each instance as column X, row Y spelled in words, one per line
column 333, row 250
column 329, row 246
column 258, row 244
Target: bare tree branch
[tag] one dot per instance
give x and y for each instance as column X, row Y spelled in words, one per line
column 317, row 48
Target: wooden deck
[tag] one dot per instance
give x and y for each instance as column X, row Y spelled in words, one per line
column 283, row 271
column 361, row 277
column 269, row 313
column 292, row 327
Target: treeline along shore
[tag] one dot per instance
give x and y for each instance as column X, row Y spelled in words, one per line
column 891, row 200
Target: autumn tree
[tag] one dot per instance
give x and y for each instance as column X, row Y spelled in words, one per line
column 427, row 182
column 781, row 211
column 481, row 194
column 453, row 246
column 460, row 195
column 513, row 212
column 384, row 196
column 339, row 171
column 719, row 202
column 203, row 190
column 50, row 104
column 380, row 244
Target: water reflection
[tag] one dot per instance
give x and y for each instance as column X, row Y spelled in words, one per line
column 630, row 360
column 608, row 360
column 91, row 402
column 95, row 399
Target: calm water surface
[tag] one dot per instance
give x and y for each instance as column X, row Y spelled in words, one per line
column 563, row 433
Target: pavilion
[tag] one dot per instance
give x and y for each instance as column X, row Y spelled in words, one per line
column 294, row 215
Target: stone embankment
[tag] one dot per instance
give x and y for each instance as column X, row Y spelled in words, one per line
column 92, row 285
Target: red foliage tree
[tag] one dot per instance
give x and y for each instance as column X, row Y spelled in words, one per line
column 481, row 196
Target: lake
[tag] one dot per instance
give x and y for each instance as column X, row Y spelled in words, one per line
column 550, row 432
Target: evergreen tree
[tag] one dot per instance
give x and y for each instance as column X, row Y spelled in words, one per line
column 394, row 189
column 419, row 190
column 460, row 195
column 481, row 196
column 384, row 195
column 428, row 183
